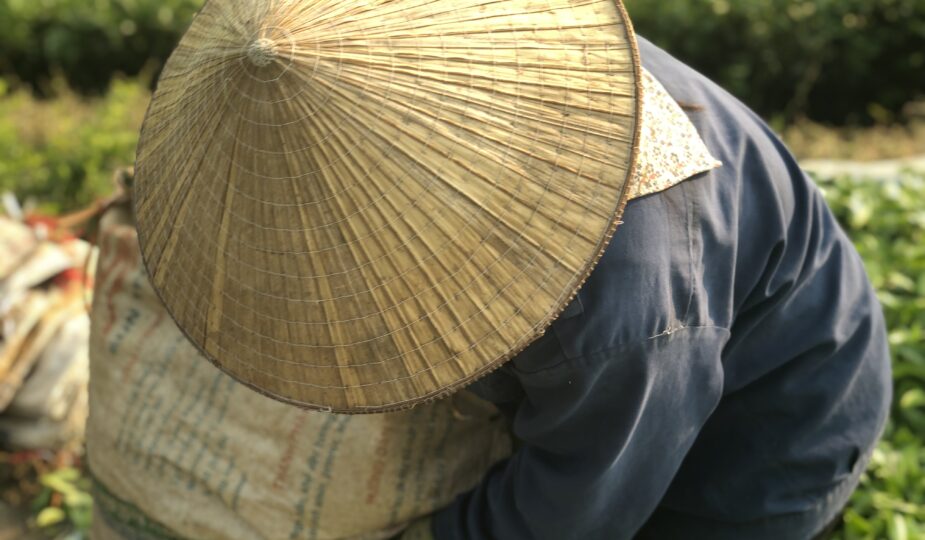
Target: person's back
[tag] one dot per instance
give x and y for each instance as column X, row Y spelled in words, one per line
column 806, row 382
column 723, row 373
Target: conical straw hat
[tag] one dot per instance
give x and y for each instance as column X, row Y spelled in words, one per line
column 358, row 205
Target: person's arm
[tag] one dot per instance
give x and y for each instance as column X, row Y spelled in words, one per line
column 602, row 438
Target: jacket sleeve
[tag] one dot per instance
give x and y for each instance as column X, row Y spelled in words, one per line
column 602, row 437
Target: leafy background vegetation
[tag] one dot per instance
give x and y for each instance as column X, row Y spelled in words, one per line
column 75, row 77
column 87, row 42
column 886, row 220
column 792, row 58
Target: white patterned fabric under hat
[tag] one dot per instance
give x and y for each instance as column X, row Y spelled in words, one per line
column 670, row 149
column 356, row 205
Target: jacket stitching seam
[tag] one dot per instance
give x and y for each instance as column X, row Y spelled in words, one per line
column 619, row 347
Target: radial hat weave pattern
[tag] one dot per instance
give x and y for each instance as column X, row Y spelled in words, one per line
column 358, row 205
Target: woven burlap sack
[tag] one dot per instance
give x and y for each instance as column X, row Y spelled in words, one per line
column 178, row 449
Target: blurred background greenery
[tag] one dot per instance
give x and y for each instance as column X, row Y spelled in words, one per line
column 837, row 78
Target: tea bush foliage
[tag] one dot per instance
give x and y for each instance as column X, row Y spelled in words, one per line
column 62, row 152
column 886, row 220
column 833, row 60
column 88, row 41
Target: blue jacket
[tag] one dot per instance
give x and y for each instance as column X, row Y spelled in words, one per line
column 723, row 373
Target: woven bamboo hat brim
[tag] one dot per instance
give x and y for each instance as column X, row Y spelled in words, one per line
column 357, row 206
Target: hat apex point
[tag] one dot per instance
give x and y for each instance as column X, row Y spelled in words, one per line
column 262, row 52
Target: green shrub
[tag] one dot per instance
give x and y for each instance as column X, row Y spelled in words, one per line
column 65, row 504
column 87, row 42
column 63, row 152
column 886, row 221
column 834, row 60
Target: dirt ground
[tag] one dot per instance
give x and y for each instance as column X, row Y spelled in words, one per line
column 13, row 525
column 808, row 140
